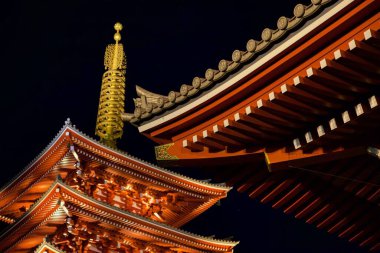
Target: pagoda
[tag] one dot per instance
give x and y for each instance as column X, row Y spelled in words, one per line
column 86, row 196
column 292, row 120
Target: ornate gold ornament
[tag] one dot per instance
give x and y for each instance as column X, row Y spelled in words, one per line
column 162, row 152
column 109, row 125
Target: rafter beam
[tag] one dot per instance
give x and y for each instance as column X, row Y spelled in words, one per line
column 272, row 106
column 352, row 60
column 194, row 147
column 230, row 133
column 357, row 80
column 212, row 145
column 261, row 126
column 294, row 104
column 321, row 83
column 218, row 138
column 310, row 98
column 283, row 159
column 261, row 113
column 365, row 50
column 256, row 135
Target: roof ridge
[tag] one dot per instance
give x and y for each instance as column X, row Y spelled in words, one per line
column 226, row 67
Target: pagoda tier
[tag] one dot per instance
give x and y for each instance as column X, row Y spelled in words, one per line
column 296, row 115
column 110, row 176
column 75, row 222
column 116, row 182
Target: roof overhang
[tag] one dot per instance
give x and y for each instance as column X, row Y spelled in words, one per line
column 287, row 45
column 61, row 201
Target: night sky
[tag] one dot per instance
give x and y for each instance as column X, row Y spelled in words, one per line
column 51, row 69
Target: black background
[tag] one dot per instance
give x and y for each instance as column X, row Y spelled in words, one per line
column 51, row 67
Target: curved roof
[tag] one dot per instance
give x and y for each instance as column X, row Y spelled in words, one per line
column 70, row 144
column 150, row 104
column 163, row 174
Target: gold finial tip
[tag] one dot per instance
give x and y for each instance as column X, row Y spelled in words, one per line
column 117, row 37
column 118, row 27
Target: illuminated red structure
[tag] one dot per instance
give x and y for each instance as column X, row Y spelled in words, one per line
column 81, row 196
column 292, row 120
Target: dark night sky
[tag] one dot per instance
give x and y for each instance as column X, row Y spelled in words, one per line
column 51, row 67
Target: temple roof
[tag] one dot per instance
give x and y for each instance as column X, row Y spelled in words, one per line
column 69, row 145
column 68, row 127
column 60, row 201
column 149, row 104
column 305, row 118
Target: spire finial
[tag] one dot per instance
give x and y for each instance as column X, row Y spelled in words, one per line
column 118, row 27
column 109, row 126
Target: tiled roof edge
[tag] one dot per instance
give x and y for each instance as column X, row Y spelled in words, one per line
column 159, row 103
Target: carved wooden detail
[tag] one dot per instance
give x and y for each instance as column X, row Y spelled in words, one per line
column 81, row 236
column 118, row 192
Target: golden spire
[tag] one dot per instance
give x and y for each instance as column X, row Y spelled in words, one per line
column 109, row 125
